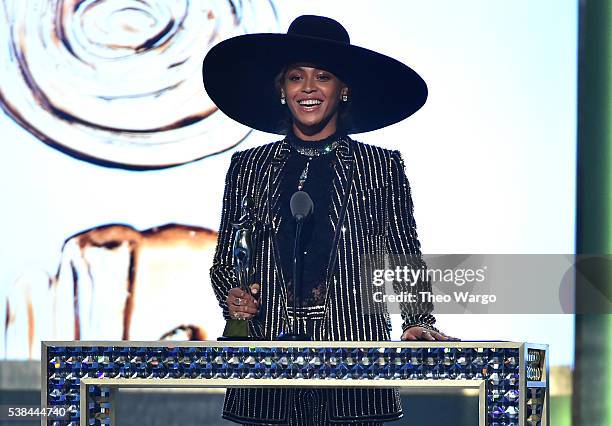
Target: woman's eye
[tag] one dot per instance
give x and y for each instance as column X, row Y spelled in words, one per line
column 294, row 78
column 323, row 77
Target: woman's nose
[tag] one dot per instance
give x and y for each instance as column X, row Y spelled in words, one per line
column 308, row 85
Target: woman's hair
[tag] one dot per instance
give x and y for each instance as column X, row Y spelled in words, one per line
column 344, row 115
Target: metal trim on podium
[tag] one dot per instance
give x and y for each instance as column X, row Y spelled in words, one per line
column 83, row 377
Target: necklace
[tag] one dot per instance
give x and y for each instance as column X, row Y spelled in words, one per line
column 311, row 150
column 316, row 151
column 303, row 176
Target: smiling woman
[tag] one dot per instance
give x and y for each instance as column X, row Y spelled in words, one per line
column 300, row 85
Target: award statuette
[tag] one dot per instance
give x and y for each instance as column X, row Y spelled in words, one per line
column 237, row 329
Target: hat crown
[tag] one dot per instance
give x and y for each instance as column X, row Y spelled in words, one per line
column 319, row 27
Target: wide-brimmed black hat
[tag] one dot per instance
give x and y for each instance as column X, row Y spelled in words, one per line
column 239, row 76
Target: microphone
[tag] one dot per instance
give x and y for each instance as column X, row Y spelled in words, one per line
column 301, row 205
column 301, row 208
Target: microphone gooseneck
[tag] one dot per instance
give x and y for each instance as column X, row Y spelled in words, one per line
column 301, row 208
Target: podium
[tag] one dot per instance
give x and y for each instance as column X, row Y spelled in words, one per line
column 80, row 379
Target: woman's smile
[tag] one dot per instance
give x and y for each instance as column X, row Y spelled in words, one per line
column 310, row 104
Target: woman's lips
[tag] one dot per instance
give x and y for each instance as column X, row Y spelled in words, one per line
column 310, row 107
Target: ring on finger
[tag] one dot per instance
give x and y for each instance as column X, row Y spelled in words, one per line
column 238, row 301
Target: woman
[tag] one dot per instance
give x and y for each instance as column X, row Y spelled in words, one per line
column 313, row 86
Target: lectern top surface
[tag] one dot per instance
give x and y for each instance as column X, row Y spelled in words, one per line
column 304, row 344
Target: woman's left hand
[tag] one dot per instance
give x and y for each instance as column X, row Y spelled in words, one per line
column 422, row 333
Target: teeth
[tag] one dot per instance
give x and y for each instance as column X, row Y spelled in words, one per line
column 309, row 102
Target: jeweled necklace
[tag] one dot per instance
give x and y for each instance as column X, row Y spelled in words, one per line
column 311, row 152
column 303, row 176
column 316, row 151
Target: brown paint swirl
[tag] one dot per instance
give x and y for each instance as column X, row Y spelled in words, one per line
column 119, row 82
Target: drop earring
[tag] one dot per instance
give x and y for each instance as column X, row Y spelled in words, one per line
column 344, row 97
column 283, row 100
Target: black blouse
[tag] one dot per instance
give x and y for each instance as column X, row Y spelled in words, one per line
column 317, row 232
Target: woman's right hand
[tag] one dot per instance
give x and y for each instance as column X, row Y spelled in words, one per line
column 241, row 304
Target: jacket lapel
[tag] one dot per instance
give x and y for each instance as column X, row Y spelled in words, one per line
column 279, row 159
column 343, row 178
column 274, row 180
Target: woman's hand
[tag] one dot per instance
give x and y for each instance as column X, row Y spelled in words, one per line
column 241, row 304
column 422, row 333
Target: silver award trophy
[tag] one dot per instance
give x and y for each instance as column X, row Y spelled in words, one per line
column 242, row 250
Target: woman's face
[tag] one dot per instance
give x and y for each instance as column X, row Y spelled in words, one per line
column 313, row 96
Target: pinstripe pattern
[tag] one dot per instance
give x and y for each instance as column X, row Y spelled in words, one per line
column 307, row 406
column 371, row 213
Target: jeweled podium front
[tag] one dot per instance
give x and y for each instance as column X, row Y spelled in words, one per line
column 81, row 377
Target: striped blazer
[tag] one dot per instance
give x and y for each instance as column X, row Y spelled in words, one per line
column 371, row 213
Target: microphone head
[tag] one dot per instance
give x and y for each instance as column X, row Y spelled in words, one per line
column 301, row 205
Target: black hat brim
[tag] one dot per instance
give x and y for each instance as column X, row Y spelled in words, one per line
column 239, row 76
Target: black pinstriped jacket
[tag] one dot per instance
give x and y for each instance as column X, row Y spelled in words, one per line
column 371, row 212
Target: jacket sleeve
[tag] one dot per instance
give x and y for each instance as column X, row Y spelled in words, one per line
column 222, row 275
column 404, row 246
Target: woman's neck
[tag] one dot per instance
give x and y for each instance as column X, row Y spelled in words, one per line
column 297, row 141
column 315, row 134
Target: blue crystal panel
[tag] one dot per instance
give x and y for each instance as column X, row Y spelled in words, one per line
column 534, row 406
column 501, row 370
column 499, row 367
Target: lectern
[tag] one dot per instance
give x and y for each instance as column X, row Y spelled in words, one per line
column 81, row 378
